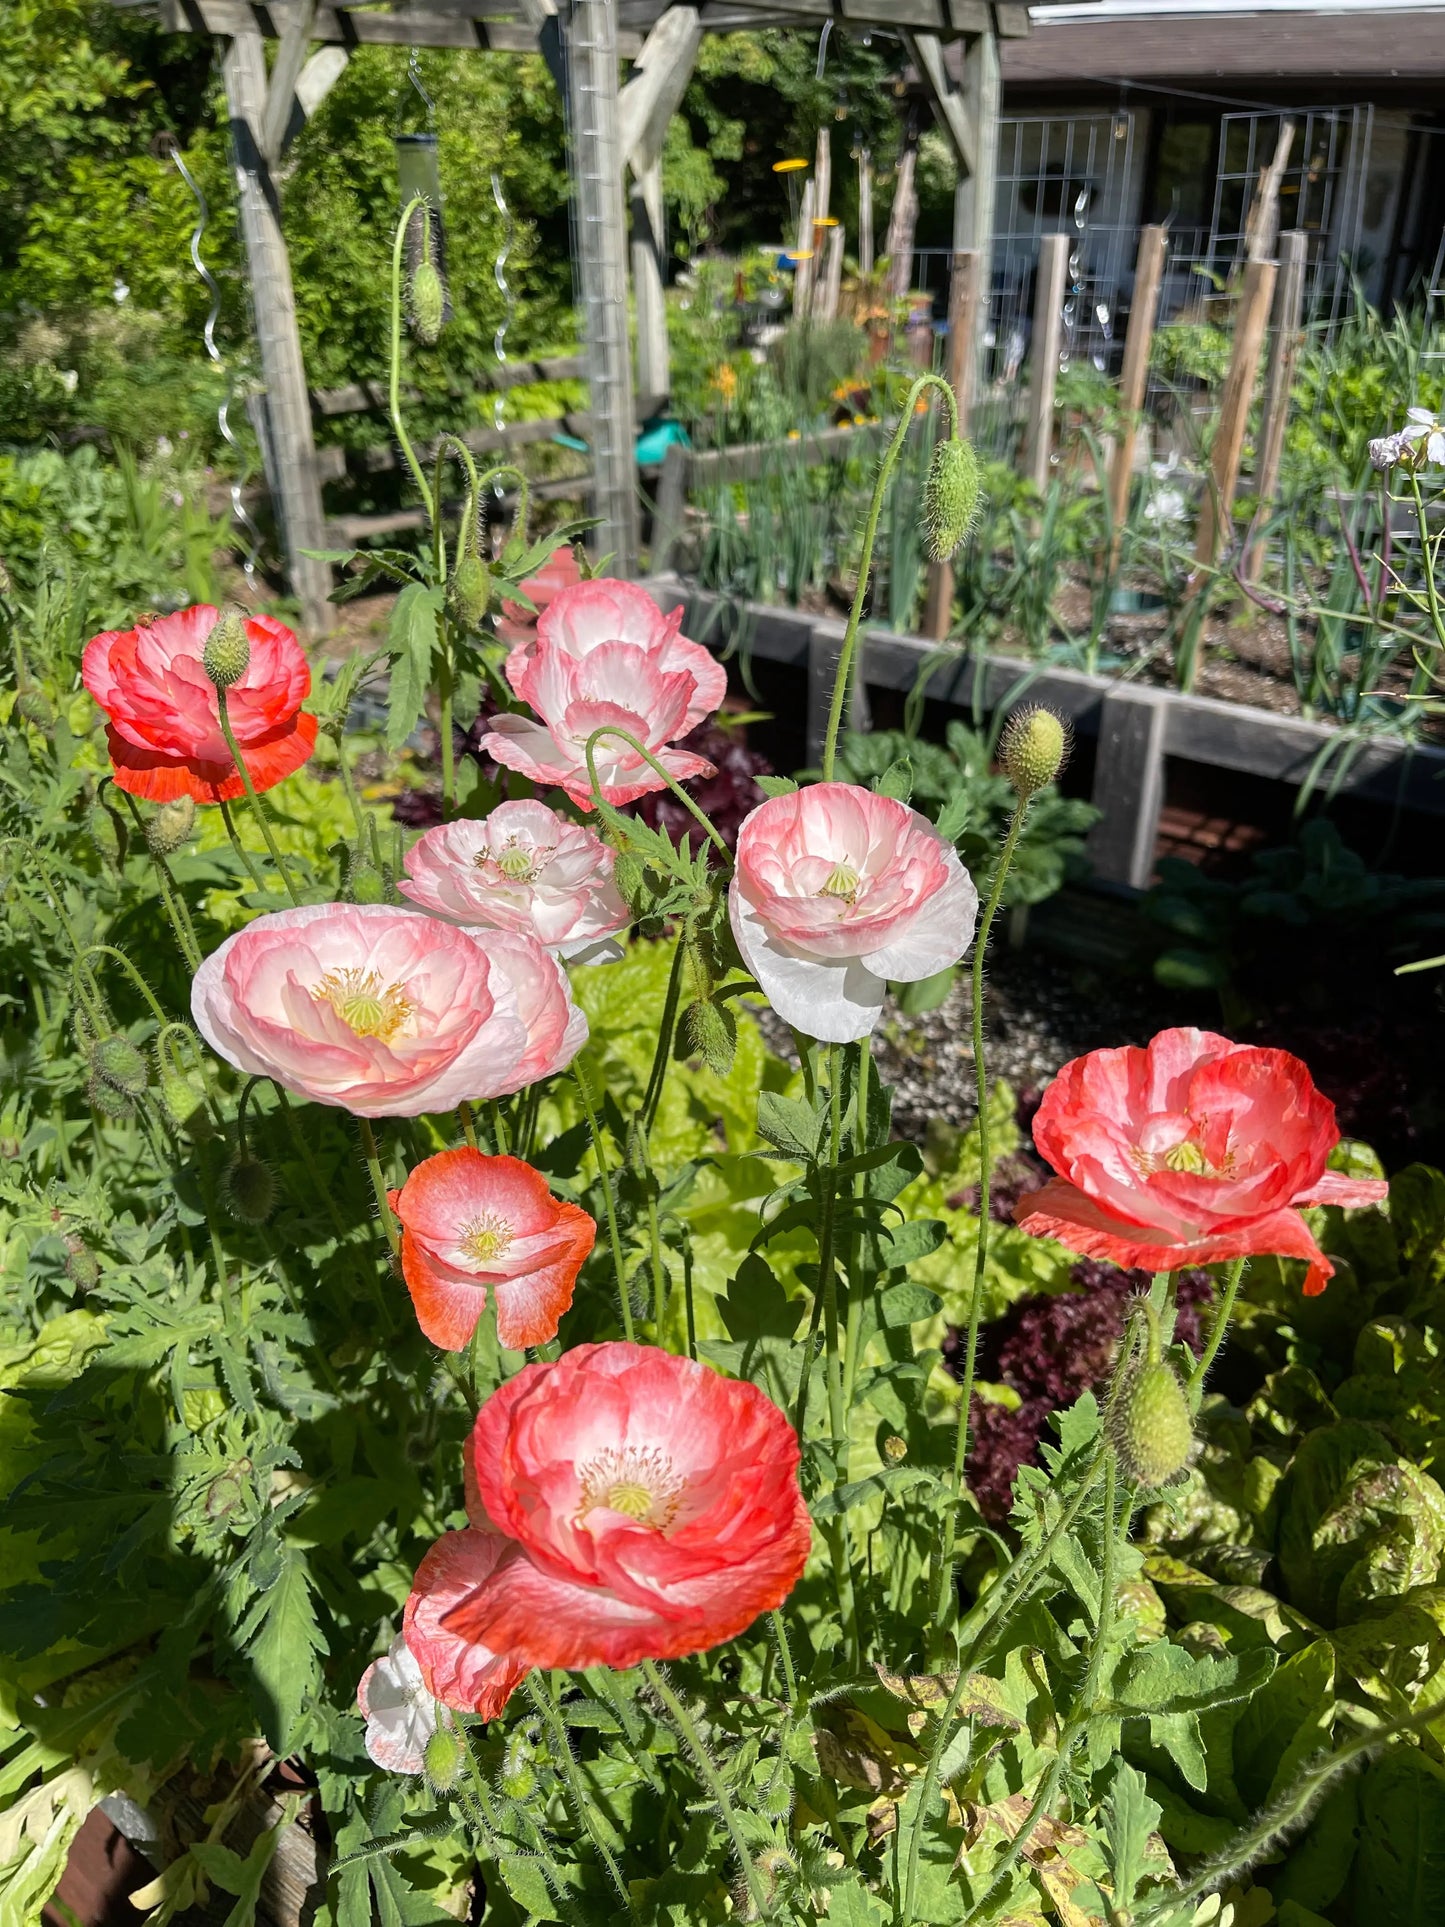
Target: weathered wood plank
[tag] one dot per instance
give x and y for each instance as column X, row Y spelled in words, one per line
column 369, row 397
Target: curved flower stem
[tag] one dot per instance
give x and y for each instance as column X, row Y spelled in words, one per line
column 257, row 809
column 398, row 248
column 1078, row 1721
column 469, row 1125
column 604, row 1172
column 835, row 1532
column 524, row 494
column 378, row 1184
column 652, row 1095
column 975, row 1310
column 785, row 1655
column 239, row 847
column 1222, row 1317
column 712, row 1779
column 92, row 1003
column 542, row 1699
column 1437, row 616
column 82, row 966
column 652, row 763
column 176, row 907
column 844, row 673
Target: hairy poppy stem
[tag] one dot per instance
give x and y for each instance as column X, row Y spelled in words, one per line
column 257, row 807
column 844, row 673
column 1222, row 1317
column 975, row 1310
column 378, row 1184
column 712, row 1779
column 579, row 1078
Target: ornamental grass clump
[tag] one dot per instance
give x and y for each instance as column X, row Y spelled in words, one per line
column 472, row 1365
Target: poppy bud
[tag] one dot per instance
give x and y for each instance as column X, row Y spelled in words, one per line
column 108, row 1100
column 82, row 1267
column 1034, row 749
column 171, row 826
column 34, row 706
column 443, row 1759
column 119, row 1063
column 950, row 498
column 895, row 1449
column 711, row 1034
column 470, row 590
column 248, row 1189
column 365, row 883
column 227, row 652
column 428, row 298
column 519, row 1775
column 1155, row 1432
column 628, row 874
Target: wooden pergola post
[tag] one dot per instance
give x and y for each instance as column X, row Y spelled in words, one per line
column 287, row 402
column 645, row 106
column 1289, row 296
column 1217, row 507
column 596, row 164
column 1143, row 308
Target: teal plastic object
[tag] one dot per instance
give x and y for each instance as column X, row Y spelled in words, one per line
column 652, row 444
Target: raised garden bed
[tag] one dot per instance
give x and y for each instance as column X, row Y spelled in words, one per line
column 1134, row 730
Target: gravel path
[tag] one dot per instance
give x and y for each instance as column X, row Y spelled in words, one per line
column 1040, row 1010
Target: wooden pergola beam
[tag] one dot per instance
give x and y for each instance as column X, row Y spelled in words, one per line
column 355, row 27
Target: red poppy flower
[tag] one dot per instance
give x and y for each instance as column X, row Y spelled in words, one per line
column 647, row 1507
column 473, row 1224
column 1189, row 1152
column 165, row 730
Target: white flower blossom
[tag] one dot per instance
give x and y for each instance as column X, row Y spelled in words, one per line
column 400, row 1713
column 1421, row 443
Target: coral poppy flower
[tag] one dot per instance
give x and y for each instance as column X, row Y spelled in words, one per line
column 386, row 1013
column 558, row 572
column 522, row 868
column 838, row 891
column 164, row 731
column 400, row 1712
column 1188, row 1152
column 472, row 1224
column 605, row 656
column 651, row 1505
column 461, row 1672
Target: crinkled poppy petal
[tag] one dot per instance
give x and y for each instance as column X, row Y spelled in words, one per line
column 530, row 1308
column 446, row 1311
column 1060, row 1210
column 460, row 1671
column 523, row 1610
column 1333, row 1187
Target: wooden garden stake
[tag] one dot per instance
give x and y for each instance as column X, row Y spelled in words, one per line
column 1044, row 356
column 963, row 297
column 1279, row 380
column 1249, row 326
column 1143, row 311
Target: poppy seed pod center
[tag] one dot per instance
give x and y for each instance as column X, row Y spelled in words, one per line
column 364, row 1003
column 521, row 866
column 638, row 1482
column 843, row 883
column 486, row 1238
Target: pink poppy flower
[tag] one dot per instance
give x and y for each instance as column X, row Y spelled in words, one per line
column 400, row 1712
column 164, row 730
column 459, row 1671
column 651, row 1506
column 386, row 1013
column 604, row 656
column 472, row 1223
column 522, row 868
column 837, row 892
column 558, row 572
column 1188, row 1152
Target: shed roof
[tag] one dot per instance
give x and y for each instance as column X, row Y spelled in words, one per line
column 1229, row 40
